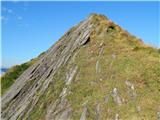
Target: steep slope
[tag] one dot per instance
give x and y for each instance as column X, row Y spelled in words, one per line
column 95, row 71
column 14, row 72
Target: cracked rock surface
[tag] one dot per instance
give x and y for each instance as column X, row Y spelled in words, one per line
column 16, row 102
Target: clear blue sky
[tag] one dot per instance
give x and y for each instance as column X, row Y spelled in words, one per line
column 29, row 28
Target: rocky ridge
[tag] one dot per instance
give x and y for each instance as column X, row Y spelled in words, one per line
column 92, row 72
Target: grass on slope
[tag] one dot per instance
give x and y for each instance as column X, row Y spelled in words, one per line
column 140, row 68
column 49, row 97
column 13, row 73
column 124, row 57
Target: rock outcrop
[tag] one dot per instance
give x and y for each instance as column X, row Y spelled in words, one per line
column 91, row 62
column 38, row 77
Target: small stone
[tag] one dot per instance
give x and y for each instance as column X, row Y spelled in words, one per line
column 101, row 44
column 131, row 90
column 132, row 87
column 123, row 100
column 97, row 67
column 116, row 97
column 129, row 84
column 92, row 51
column 116, row 117
column 113, row 55
column 138, row 108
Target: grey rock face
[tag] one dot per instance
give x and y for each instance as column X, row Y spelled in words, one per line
column 71, row 75
column 17, row 100
column 78, row 71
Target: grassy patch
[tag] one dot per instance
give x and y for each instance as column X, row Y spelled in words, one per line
column 11, row 75
column 14, row 72
column 140, row 67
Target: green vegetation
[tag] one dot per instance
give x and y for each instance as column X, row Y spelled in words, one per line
column 123, row 58
column 13, row 73
column 119, row 57
column 141, row 67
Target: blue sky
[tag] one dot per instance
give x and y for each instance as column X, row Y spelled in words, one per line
column 29, row 28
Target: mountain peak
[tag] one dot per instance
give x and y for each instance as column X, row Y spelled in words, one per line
column 102, row 20
column 96, row 70
column 100, row 16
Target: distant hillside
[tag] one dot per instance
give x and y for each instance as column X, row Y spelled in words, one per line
column 96, row 71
